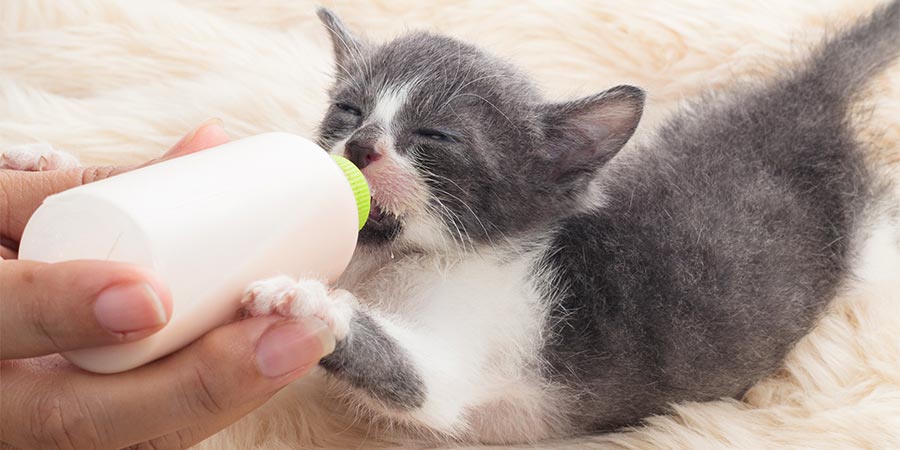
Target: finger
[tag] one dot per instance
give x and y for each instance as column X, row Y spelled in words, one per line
column 311, row 341
column 189, row 395
column 50, row 308
column 210, row 134
column 7, row 253
column 22, row 192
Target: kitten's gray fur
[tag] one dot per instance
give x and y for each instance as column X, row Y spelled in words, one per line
column 716, row 247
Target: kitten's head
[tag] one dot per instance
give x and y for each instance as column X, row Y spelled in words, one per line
column 458, row 147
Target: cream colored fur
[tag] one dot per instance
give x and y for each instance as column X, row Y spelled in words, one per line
column 118, row 82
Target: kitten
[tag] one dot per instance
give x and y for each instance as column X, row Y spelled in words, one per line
column 518, row 279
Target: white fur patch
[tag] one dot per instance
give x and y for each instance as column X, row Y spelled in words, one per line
column 388, row 103
column 304, row 298
column 877, row 265
column 472, row 329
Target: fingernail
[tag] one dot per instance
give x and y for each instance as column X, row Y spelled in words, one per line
column 214, row 121
column 187, row 138
column 293, row 346
column 129, row 307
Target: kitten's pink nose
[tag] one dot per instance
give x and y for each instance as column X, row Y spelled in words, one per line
column 362, row 152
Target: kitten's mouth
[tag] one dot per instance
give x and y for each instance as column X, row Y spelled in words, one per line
column 381, row 225
column 391, row 186
column 375, row 212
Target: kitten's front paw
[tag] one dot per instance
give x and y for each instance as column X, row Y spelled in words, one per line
column 36, row 157
column 304, row 298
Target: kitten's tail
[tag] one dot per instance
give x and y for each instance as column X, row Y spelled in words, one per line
column 845, row 63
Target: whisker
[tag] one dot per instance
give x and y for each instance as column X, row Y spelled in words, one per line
column 455, row 93
column 474, row 215
column 354, row 52
column 439, row 191
column 350, row 76
column 444, row 213
column 469, row 94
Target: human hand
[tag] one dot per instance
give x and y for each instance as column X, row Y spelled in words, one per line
column 22, row 192
column 173, row 402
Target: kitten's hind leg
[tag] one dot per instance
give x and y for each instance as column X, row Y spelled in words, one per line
column 36, row 157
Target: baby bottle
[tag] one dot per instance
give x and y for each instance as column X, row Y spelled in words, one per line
column 208, row 224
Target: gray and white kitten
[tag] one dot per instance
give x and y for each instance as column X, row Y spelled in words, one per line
column 519, row 280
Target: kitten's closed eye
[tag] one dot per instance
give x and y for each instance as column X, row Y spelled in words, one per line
column 348, row 108
column 436, row 135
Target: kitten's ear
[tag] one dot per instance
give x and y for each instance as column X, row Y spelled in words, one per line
column 584, row 134
column 346, row 45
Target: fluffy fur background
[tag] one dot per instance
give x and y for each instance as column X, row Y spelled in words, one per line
column 118, row 82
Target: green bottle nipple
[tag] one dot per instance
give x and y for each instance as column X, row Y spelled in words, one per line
column 358, row 185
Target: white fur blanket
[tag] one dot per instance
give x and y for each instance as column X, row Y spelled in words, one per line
column 119, row 81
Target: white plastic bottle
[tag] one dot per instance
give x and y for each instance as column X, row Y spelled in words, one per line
column 209, row 224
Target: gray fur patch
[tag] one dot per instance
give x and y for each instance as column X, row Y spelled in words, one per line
column 721, row 242
column 369, row 359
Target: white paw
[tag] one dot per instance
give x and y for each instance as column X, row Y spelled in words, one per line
column 305, row 298
column 36, row 157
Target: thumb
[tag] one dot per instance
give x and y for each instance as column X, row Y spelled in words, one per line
column 49, row 308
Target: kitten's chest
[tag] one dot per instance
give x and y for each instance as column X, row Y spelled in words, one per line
column 392, row 284
column 437, row 291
